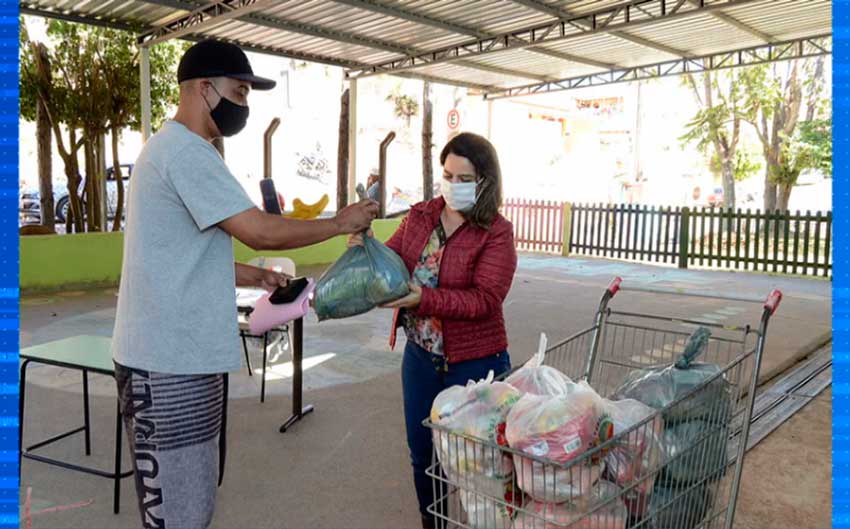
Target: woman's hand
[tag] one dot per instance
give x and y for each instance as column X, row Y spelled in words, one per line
column 409, row 301
column 356, row 239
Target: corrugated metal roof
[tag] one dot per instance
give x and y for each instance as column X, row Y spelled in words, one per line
column 445, row 35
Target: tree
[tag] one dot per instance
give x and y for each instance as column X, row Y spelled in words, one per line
column 88, row 83
column 777, row 104
column 45, row 157
column 717, row 125
column 404, row 106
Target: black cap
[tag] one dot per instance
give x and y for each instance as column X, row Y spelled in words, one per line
column 213, row 58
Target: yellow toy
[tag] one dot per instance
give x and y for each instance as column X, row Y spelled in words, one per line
column 304, row 211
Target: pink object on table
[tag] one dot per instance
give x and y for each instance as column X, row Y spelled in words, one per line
column 267, row 316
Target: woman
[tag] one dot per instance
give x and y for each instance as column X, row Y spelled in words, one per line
column 460, row 253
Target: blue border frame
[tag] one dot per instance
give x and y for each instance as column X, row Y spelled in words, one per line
column 841, row 256
column 9, row 261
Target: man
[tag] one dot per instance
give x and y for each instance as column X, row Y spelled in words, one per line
column 175, row 332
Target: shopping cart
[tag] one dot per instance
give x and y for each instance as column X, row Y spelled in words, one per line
column 682, row 477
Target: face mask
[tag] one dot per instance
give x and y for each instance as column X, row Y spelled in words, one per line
column 229, row 117
column 459, row 196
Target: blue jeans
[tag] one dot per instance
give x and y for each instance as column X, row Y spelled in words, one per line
column 422, row 379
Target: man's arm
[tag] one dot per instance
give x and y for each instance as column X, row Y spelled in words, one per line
column 248, row 276
column 264, row 231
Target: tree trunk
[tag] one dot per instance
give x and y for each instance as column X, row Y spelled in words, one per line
column 784, row 197
column 91, row 207
column 119, row 181
column 342, row 154
column 728, row 182
column 75, row 222
column 427, row 142
column 45, row 166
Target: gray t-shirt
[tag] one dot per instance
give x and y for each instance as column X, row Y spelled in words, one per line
column 177, row 300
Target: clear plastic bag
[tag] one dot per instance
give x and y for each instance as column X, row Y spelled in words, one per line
column 660, row 387
column 363, row 278
column 538, row 379
column 608, row 512
column 633, row 459
column 481, row 472
column 558, row 429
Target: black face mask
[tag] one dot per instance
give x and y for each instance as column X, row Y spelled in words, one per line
column 229, row 117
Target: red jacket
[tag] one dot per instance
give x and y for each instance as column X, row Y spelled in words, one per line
column 476, row 272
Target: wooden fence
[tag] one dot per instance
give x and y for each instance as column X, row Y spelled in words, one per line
column 781, row 242
column 538, row 224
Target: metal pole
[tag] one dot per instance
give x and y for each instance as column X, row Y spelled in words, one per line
column 145, row 79
column 490, row 119
column 352, row 141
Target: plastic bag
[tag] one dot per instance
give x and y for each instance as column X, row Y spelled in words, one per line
column 558, row 429
column 679, row 508
column 695, row 450
column 482, row 473
column 608, row 512
column 638, row 454
column 660, row 387
column 537, row 379
column 363, row 278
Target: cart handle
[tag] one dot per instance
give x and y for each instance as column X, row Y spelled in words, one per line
column 693, row 293
column 614, row 287
column 773, row 301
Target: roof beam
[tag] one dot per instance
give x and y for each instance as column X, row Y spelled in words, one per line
column 191, row 23
column 732, row 21
column 635, row 13
column 209, row 16
column 427, row 20
column 567, row 14
column 782, row 51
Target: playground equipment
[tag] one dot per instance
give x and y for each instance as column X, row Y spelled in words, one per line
column 272, row 200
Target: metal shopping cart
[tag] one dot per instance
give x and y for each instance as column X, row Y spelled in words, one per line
column 684, row 473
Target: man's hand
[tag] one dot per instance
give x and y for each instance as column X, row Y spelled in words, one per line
column 270, row 280
column 356, row 217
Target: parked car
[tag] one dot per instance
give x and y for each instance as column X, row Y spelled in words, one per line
column 29, row 208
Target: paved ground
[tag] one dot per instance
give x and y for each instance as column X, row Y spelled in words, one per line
column 346, row 464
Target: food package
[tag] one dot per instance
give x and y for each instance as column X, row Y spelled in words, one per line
column 482, row 472
column 634, row 458
column 558, row 430
column 660, row 387
column 538, row 379
column 601, row 509
column 363, row 278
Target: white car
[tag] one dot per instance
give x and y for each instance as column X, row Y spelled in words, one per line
column 29, row 209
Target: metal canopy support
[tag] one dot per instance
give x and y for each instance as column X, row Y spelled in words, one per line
column 428, row 20
column 635, row 13
column 562, row 13
column 781, row 51
column 205, row 17
column 352, row 141
column 145, row 80
column 225, row 10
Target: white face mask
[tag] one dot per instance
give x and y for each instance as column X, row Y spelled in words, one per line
column 459, row 196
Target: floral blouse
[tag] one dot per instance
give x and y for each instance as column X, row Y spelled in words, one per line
column 427, row 332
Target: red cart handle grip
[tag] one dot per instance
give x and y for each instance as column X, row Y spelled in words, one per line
column 614, row 287
column 773, row 301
